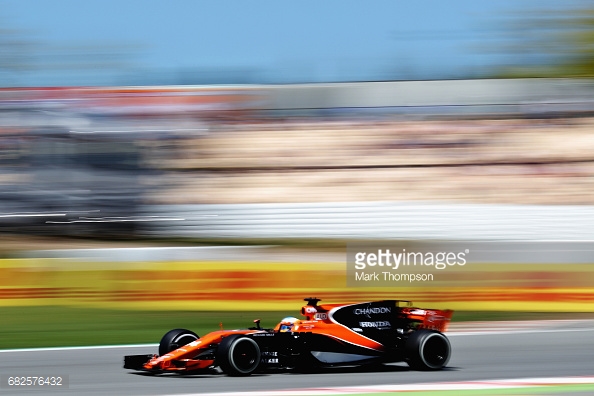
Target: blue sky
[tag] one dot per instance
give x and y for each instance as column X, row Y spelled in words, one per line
column 89, row 42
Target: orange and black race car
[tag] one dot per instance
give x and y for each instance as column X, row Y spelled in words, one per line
column 330, row 335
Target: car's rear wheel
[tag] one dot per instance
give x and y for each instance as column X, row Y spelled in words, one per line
column 427, row 350
column 238, row 355
column 176, row 338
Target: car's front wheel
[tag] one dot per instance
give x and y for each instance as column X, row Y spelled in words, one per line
column 176, row 338
column 238, row 355
column 427, row 350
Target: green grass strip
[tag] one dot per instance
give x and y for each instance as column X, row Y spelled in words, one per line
column 55, row 326
column 582, row 389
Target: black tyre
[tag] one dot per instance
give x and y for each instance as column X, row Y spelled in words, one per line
column 176, row 338
column 427, row 350
column 238, row 355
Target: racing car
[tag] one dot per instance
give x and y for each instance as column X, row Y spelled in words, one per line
column 329, row 335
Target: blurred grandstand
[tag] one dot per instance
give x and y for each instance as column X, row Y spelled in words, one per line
column 119, row 161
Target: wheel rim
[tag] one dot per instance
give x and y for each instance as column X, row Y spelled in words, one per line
column 244, row 355
column 436, row 351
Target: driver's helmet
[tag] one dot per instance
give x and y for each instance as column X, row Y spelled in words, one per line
column 287, row 324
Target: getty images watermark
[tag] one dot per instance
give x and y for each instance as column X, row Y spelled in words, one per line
column 401, row 265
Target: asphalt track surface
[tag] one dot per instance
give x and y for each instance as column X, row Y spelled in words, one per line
column 556, row 349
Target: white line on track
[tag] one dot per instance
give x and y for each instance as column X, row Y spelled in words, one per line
column 79, row 348
column 504, row 332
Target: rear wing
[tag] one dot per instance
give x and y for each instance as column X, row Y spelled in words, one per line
column 431, row 319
